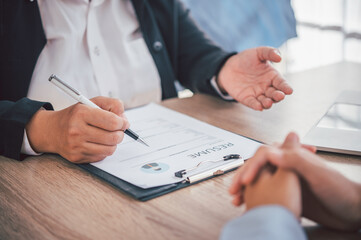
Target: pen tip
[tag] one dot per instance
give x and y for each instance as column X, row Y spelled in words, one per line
column 142, row 141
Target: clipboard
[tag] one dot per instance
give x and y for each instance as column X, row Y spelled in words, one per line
column 168, row 130
column 143, row 195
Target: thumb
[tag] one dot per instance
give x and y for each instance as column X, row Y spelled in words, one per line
column 268, row 54
column 292, row 140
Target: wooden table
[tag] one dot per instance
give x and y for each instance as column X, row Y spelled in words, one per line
column 47, row 197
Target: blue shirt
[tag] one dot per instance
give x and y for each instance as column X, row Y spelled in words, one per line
column 240, row 24
column 264, row 223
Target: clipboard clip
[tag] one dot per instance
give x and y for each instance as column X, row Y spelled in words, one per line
column 183, row 172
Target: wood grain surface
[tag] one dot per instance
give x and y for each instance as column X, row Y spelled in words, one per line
column 46, row 197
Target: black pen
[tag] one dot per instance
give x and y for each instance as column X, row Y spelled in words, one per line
column 80, row 98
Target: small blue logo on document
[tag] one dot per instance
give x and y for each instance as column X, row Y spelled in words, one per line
column 155, row 167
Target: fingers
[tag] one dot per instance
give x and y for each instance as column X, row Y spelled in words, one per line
column 310, row 148
column 268, row 54
column 271, row 96
column 292, row 140
column 253, row 192
column 280, row 84
column 264, row 173
column 100, row 136
column 90, row 152
column 236, row 185
column 265, row 101
column 247, row 173
column 115, row 106
column 238, row 199
column 104, row 119
column 87, row 134
column 94, row 149
column 259, row 160
column 109, row 104
column 274, row 94
column 253, row 103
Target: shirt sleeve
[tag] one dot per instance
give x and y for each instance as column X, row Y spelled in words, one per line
column 26, row 147
column 265, row 222
column 13, row 119
column 216, row 88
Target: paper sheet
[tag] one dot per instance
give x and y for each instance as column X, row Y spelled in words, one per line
column 176, row 142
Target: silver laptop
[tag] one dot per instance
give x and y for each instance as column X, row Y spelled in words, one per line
column 339, row 130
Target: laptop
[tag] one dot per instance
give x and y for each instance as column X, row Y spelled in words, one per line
column 339, row 130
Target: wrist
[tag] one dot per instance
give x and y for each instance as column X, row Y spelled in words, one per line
column 221, row 76
column 39, row 131
column 304, row 164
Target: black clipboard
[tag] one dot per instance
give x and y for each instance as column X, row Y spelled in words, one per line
column 142, row 194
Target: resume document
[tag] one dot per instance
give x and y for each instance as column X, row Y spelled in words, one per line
column 177, row 142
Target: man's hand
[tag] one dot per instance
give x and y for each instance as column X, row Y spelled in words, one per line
column 281, row 188
column 328, row 197
column 251, row 80
column 79, row 133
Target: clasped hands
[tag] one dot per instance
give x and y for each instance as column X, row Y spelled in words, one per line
column 292, row 176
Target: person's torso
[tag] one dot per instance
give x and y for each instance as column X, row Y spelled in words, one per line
column 96, row 47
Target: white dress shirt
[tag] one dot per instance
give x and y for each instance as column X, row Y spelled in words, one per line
column 96, row 47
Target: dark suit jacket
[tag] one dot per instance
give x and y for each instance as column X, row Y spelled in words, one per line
column 180, row 51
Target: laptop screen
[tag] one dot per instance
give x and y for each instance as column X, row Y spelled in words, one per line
column 342, row 116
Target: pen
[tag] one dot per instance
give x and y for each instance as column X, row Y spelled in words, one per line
column 214, row 172
column 80, row 98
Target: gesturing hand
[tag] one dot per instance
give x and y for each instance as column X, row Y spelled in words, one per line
column 251, row 80
column 79, row 133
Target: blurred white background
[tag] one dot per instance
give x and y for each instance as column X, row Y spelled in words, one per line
column 309, row 33
column 329, row 31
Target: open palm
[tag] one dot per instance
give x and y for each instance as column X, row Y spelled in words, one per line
column 251, row 80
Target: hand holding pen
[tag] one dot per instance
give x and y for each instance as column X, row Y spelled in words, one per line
column 79, row 133
column 82, row 99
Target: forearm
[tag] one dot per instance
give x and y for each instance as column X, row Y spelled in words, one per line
column 40, row 131
column 336, row 194
column 357, row 188
column 315, row 210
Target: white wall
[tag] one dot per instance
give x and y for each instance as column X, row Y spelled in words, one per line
column 325, row 29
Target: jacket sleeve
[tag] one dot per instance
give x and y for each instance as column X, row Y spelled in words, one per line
column 13, row 118
column 199, row 58
column 262, row 223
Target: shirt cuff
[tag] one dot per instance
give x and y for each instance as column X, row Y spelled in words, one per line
column 216, row 88
column 26, row 147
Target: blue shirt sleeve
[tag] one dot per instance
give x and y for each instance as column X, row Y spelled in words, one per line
column 263, row 223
